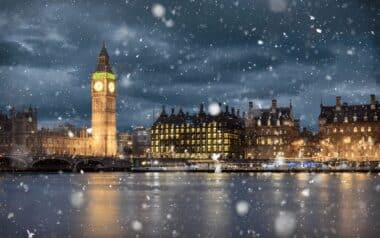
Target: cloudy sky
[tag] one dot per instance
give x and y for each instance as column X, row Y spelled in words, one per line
column 183, row 52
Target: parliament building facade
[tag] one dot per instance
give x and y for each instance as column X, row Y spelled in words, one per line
column 19, row 133
column 348, row 132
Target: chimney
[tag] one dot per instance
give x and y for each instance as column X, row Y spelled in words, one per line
column 250, row 105
column 238, row 112
column 226, row 109
column 274, row 103
column 201, row 108
column 244, row 115
column 338, row 102
column 373, row 101
column 163, row 110
column 233, row 111
column 172, row 110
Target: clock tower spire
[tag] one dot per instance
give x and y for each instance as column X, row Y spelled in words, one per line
column 103, row 95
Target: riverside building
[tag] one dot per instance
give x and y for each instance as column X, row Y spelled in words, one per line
column 272, row 132
column 350, row 131
column 198, row 136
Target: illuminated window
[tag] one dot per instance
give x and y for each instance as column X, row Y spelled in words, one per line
column 355, row 129
column 362, row 129
column 369, row 129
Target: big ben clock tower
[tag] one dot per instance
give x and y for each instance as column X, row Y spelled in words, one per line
column 103, row 94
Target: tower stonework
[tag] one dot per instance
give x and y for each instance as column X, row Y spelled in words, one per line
column 103, row 94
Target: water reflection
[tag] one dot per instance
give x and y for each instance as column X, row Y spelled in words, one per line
column 180, row 204
column 101, row 215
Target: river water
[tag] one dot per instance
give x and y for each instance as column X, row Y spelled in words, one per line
column 189, row 205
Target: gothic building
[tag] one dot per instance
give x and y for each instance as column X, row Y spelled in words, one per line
column 350, row 131
column 19, row 129
column 198, row 136
column 103, row 92
column 272, row 132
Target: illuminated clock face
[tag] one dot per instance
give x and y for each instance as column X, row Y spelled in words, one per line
column 111, row 87
column 98, row 86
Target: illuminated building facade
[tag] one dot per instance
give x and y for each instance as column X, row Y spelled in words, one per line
column 103, row 92
column 350, row 131
column 198, row 136
column 19, row 129
column 100, row 140
column 272, row 132
column 65, row 140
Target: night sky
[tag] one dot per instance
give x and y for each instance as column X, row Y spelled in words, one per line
column 182, row 53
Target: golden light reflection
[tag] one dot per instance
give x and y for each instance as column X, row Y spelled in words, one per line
column 102, row 213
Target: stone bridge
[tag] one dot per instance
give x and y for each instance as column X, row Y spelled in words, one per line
column 61, row 163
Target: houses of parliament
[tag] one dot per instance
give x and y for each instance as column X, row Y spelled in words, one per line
column 345, row 131
column 19, row 133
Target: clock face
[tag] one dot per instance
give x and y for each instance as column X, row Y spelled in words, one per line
column 98, row 86
column 111, row 87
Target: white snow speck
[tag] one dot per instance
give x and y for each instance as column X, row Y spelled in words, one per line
column 10, row 215
column 70, row 134
column 306, row 192
column 312, row 17
column 136, row 225
column 285, row 223
column 350, row 52
column 242, row 208
column 158, row 10
column 76, row 199
column 278, row 5
column 215, row 156
column 318, row 30
column 30, row 234
column 260, row 42
column 214, row 109
column 169, row 23
column 126, row 81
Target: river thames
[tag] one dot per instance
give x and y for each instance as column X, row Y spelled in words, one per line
column 189, row 205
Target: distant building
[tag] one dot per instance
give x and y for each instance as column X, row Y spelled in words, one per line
column 141, row 142
column 350, row 131
column 198, row 136
column 272, row 132
column 125, row 143
column 17, row 130
column 308, row 146
column 65, row 140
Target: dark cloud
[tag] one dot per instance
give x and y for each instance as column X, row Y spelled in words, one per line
column 200, row 51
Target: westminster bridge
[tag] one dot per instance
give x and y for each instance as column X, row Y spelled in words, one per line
column 63, row 163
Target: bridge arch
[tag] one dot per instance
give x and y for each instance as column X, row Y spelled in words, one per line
column 89, row 165
column 52, row 164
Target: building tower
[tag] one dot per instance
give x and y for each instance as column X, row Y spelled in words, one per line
column 103, row 94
